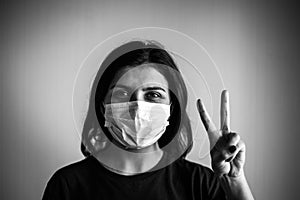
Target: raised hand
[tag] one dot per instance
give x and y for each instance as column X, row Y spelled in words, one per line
column 227, row 149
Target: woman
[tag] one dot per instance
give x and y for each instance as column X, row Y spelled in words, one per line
column 137, row 133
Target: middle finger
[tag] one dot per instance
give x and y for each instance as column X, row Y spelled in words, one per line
column 225, row 112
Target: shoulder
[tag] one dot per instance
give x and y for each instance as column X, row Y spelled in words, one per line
column 73, row 172
column 69, row 178
column 192, row 167
column 80, row 167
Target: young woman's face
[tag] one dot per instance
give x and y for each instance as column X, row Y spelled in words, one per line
column 141, row 83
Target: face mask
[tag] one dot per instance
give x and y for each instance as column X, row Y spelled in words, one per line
column 136, row 124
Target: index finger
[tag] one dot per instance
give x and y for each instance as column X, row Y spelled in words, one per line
column 225, row 112
column 213, row 133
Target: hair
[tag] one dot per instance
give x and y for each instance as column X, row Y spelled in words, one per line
column 134, row 54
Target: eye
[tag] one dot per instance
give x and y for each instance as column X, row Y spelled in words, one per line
column 120, row 94
column 153, row 95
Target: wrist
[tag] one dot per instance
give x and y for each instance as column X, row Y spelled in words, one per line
column 236, row 187
column 236, row 179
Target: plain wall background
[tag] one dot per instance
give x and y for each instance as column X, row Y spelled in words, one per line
column 255, row 45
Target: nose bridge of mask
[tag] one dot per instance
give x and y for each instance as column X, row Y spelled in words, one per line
column 149, row 111
column 138, row 107
column 138, row 112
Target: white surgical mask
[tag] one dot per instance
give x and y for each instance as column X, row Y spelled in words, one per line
column 136, row 124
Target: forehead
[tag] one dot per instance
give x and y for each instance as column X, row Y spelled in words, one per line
column 142, row 75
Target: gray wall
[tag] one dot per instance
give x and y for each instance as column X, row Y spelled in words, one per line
column 43, row 43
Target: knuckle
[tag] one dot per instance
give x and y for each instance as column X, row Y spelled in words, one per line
column 218, row 156
column 221, row 143
column 219, row 153
column 234, row 136
column 242, row 144
column 224, row 155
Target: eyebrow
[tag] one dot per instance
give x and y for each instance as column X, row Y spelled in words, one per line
column 118, row 85
column 153, row 88
column 144, row 89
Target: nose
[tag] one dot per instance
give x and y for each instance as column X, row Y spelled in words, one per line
column 136, row 96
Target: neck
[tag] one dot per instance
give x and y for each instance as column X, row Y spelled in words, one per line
column 129, row 162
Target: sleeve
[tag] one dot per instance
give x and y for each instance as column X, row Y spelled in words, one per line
column 56, row 188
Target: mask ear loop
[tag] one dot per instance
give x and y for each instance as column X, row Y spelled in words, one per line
column 171, row 110
column 102, row 108
column 171, row 104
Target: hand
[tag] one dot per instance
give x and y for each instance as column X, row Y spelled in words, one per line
column 227, row 149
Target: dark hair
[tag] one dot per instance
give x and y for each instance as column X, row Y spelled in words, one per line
column 133, row 54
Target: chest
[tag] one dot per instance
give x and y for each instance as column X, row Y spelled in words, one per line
column 161, row 187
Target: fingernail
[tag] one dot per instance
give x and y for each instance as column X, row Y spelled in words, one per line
column 199, row 106
column 225, row 93
column 198, row 101
column 232, row 149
